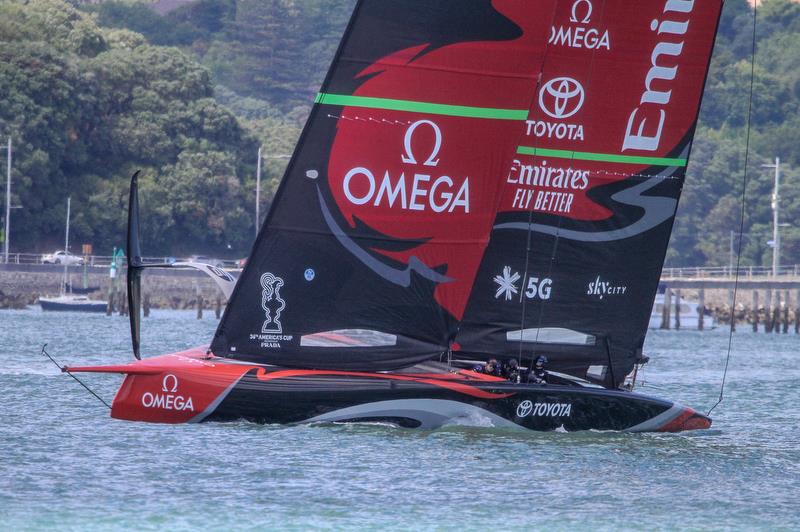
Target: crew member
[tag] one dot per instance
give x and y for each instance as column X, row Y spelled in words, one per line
column 539, row 373
column 493, row 368
column 511, row 370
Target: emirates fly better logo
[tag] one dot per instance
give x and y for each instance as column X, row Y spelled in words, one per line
column 561, row 97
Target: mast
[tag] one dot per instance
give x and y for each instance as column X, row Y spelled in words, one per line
column 8, row 204
column 66, row 249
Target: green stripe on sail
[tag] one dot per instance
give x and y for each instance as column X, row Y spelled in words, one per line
column 420, row 107
column 602, row 157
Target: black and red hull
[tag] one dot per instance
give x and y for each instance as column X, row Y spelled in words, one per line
column 191, row 387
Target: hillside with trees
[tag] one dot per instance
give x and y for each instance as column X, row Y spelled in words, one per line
column 99, row 89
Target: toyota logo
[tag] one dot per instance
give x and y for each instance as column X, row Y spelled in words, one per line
column 561, row 97
column 524, row 409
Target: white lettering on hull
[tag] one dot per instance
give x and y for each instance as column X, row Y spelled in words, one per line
column 527, row 408
column 167, row 402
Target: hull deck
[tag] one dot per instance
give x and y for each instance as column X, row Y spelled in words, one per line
column 192, row 387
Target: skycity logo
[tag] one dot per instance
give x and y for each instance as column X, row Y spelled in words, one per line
column 167, row 400
column 599, row 289
column 580, row 36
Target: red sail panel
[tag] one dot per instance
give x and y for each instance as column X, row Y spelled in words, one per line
column 620, row 93
column 594, row 187
column 431, row 175
column 386, row 208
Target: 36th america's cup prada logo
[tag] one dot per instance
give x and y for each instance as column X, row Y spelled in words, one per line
column 272, row 303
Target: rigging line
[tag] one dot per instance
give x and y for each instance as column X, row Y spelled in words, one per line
column 742, row 213
column 530, row 213
column 65, row 370
column 558, row 228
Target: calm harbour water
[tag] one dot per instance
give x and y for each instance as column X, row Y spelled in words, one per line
column 66, row 465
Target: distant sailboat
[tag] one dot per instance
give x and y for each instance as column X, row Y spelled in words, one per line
column 483, row 178
column 66, row 300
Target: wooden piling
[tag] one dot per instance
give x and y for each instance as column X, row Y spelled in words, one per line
column 146, row 305
column 768, row 311
column 677, row 310
column 755, row 310
column 218, row 308
column 787, row 301
column 701, row 309
column 732, row 309
column 797, row 313
column 797, row 320
column 665, row 308
column 199, row 305
column 776, row 319
column 110, row 307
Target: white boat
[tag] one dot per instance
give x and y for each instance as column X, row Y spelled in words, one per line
column 689, row 314
column 66, row 300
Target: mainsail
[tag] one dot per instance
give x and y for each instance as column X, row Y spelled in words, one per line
column 559, row 129
column 368, row 255
column 589, row 202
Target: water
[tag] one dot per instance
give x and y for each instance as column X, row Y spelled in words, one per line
column 66, row 465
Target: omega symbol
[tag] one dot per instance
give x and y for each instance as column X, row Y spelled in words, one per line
column 587, row 17
column 169, row 379
column 561, row 97
column 409, row 155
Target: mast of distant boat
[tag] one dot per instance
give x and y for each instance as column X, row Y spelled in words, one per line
column 66, row 251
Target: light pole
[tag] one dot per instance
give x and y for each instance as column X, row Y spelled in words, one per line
column 776, row 235
column 258, row 184
column 7, row 235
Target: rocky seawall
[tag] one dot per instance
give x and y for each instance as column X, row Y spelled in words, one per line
column 23, row 284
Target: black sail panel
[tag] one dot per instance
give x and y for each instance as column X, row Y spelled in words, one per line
column 585, row 216
column 369, row 252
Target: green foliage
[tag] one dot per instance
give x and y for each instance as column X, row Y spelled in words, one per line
column 711, row 205
column 87, row 106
